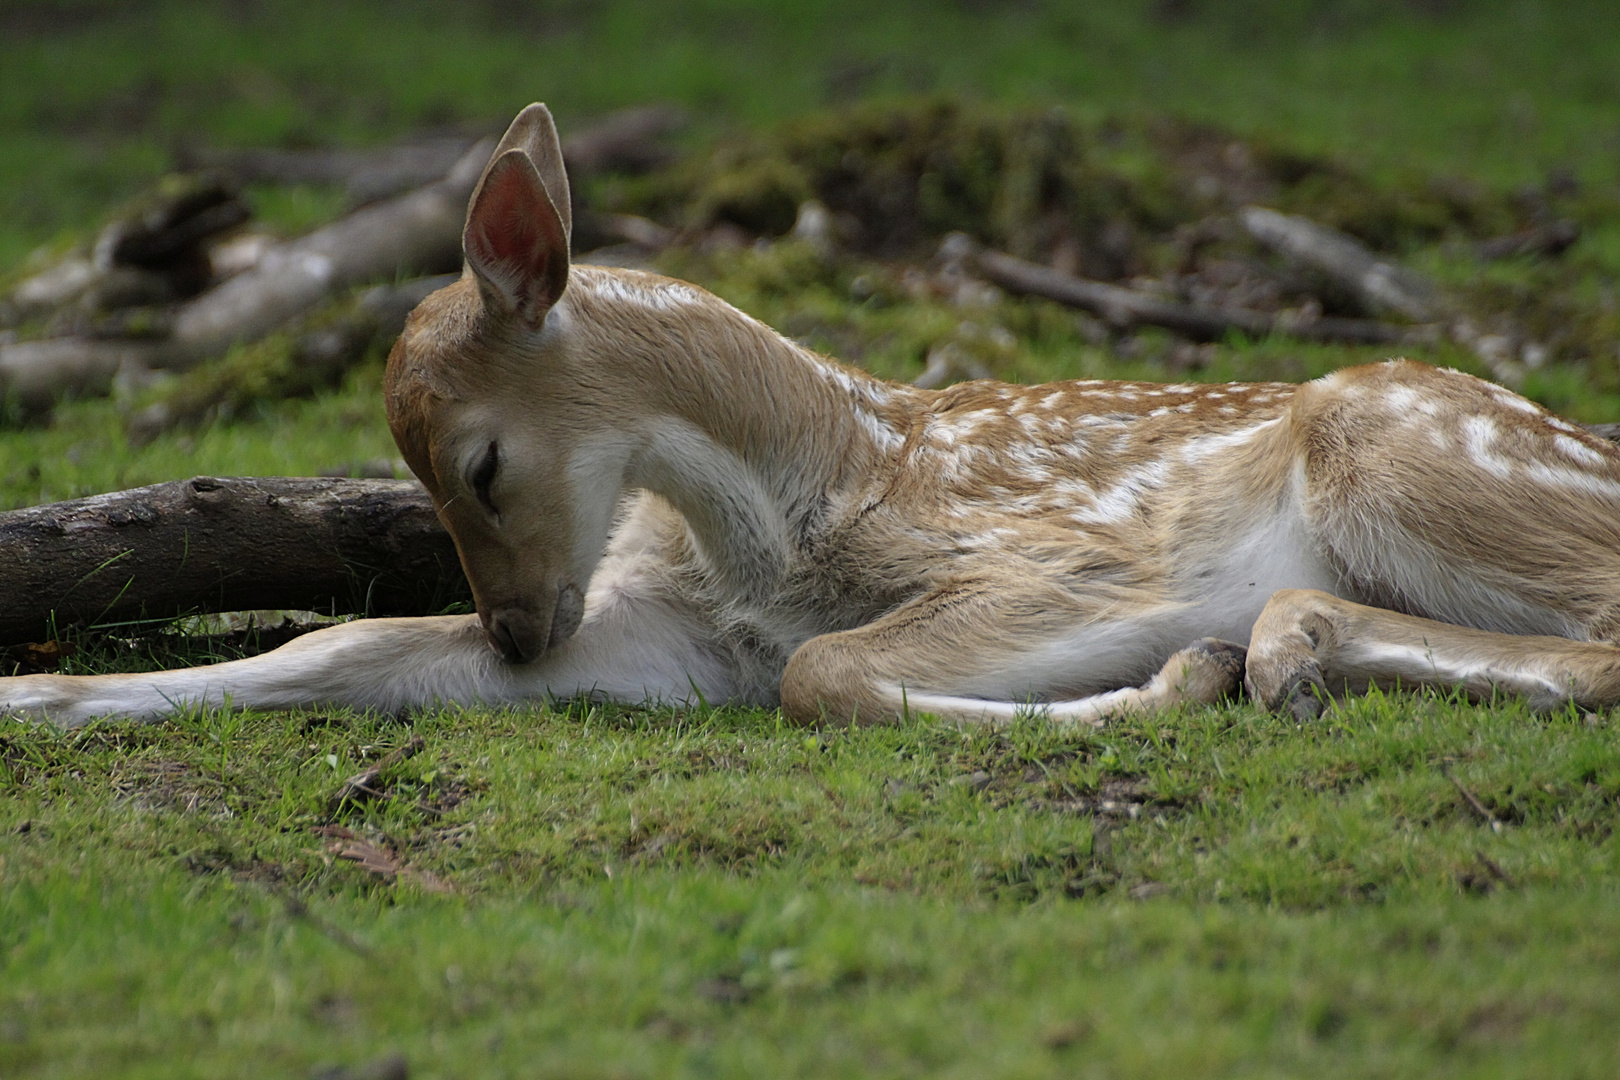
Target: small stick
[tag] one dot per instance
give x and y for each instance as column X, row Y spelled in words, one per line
column 1492, row 868
column 361, row 782
column 1473, row 800
column 298, row 909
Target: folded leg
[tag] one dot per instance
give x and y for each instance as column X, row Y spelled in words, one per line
column 1307, row 644
column 986, row 650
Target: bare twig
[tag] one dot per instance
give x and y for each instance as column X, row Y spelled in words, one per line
column 1380, row 285
column 299, row 910
column 361, row 783
column 349, row 845
column 1473, row 801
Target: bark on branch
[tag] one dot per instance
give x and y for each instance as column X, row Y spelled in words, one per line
column 1381, row 287
column 629, row 140
column 418, row 233
column 1127, row 307
column 217, row 544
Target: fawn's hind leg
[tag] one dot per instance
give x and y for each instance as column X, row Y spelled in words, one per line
column 1307, row 644
column 983, row 651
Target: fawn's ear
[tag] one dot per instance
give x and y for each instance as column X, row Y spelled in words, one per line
column 516, row 240
column 535, row 133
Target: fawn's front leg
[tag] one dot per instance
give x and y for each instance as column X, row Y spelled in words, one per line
column 370, row 663
column 946, row 652
column 1308, row 644
column 634, row 645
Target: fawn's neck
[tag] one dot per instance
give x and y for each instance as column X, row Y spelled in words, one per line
column 742, row 431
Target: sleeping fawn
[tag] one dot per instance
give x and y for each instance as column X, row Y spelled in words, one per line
column 656, row 497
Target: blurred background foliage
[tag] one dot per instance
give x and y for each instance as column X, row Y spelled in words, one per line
column 96, row 95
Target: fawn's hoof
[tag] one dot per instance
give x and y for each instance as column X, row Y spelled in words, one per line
column 1207, row 671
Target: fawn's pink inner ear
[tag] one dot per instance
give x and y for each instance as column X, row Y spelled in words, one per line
column 515, row 240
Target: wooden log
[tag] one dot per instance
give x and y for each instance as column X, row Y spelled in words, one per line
column 317, row 357
column 35, row 375
column 1127, row 307
column 417, row 233
column 155, row 243
column 629, row 140
column 1382, row 287
column 225, row 544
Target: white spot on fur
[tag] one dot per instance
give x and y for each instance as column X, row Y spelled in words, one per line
column 1121, row 501
column 1578, row 450
column 1479, row 435
column 1200, row 448
column 1514, row 401
column 1407, row 403
column 649, row 292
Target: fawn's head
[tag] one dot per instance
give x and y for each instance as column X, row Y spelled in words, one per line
column 482, row 404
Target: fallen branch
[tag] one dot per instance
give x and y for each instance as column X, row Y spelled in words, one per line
column 296, row 364
column 35, row 375
column 1126, row 307
column 418, row 233
column 1382, row 287
column 211, row 544
column 151, row 252
column 625, row 141
column 402, row 237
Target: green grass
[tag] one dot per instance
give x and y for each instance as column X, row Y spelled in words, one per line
column 649, row 893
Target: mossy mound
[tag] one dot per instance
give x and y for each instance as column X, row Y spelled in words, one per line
column 898, row 175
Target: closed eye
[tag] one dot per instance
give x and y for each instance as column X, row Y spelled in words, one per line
column 484, row 475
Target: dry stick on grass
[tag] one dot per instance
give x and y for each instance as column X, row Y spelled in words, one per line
column 214, row 544
column 349, row 845
column 1127, row 307
column 360, row 784
column 1473, row 800
column 1380, row 285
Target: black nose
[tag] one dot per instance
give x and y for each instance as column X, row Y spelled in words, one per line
column 516, row 634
